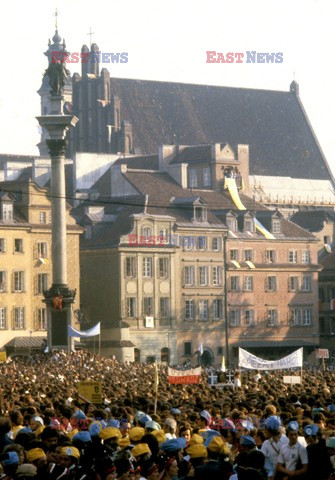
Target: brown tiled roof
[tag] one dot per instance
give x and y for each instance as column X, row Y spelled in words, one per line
column 273, row 123
column 313, row 220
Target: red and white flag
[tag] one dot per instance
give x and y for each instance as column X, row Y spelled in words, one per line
column 193, row 375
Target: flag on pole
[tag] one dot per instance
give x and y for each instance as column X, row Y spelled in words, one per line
column 92, row 332
column 186, row 377
column 223, row 364
column 201, row 348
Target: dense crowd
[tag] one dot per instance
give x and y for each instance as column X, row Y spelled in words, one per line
column 261, row 429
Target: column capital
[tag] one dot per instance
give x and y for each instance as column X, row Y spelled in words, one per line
column 57, row 148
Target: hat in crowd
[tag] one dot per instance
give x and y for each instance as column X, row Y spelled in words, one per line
column 95, row 428
column 175, row 411
column 70, row 452
column 35, row 454
column 138, row 416
column 331, row 408
column 197, row 451
column 173, row 445
column 110, row 432
column 170, row 422
column 196, row 439
column 247, row 425
column 124, row 442
column 311, row 430
column 317, row 410
column 83, row 437
column 215, row 444
column 145, row 419
column 293, row 426
column 38, row 419
column 272, row 423
column 136, row 433
column 26, row 470
column 247, row 441
column 208, row 435
column 140, row 449
column 79, row 415
column 330, row 443
column 13, row 459
column 25, row 430
column 153, row 425
column 206, row 415
column 228, row 424
column 113, row 422
column 159, row 435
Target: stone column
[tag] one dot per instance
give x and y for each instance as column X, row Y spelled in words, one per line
column 59, row 298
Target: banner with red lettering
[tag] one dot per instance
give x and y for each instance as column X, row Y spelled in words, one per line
column 193, row 375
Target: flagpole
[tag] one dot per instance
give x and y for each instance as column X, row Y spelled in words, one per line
column 100, row 343
column 156, row 388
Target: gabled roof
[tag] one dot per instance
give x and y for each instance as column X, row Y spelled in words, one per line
column 273, row 123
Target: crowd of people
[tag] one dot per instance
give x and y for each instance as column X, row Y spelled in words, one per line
column 261, row 429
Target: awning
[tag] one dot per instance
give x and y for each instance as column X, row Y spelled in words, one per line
column 25, row 342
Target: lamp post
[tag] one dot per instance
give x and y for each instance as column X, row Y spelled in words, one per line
column 225, row 301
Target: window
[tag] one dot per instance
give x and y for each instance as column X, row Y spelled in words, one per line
column 292, row 256
column 2, row 245
column 217, row 310
column 322, row 294
column 131, row 307
column 234, row 283
column 7, row 211
column 41, row 319
column 248, row 254
column 43, row 217
column 200, row 214
column 306, row 256
column 18, row 281
column 163, row 235
column 275, row 225
column 2, row 281
column 164, row 307
column 163, row 267
column 231, row 224
column 146, row 233
column 3, row 318
column 271, row 284
column 331, row 293
column 201, row 243
column 220, row 350
column 42, row 282
column 293, row 284
column 193, row 177
column 189, row 309
column 234, row 318
column 249, row 225
column 295, row 316
column 249, row 317
column 248, row 283
column 306, row 283
column 203, row 276
column 130, row 267
column 233, row 255
column 203, row 310
column 148, row 306
column 18, row 318
column 270, row 256
column 147, row 267
column 187, row 348
column 216, row 244
column 189, row 275
column 42, row 250
column 272, row 317
column 306, row 316
column 18, row 245
column 216, row 276
column 206, row 177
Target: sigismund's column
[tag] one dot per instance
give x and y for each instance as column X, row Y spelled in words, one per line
column 59, row 298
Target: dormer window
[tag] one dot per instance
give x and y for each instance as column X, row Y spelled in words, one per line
column 249, row 225
column 146, row 232
column 276, row 225
column 231, row 222
column 200, row 214
column 7, row 211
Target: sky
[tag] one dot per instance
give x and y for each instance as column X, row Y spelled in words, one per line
column 168, row 41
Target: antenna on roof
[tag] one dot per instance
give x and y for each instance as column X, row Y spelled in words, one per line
column 146, row 203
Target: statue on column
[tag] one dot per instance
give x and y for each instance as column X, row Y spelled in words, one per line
column 58, row 74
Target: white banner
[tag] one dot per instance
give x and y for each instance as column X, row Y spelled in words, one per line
column 72, row 332
column 247, row 360
column 182, row 373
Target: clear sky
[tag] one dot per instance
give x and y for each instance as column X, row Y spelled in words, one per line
column 168, row 41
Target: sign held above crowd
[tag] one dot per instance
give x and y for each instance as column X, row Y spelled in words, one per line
column 250, row 361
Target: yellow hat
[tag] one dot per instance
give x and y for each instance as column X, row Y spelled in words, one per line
column 140, row 449
column 124, row 442
column 159, row 434
column 216, row 444
column 136, row 433
column 35, row 454
column 196, row 440
column 197, row 451
column 72, row 434
column 70, row 452
column 110, row 432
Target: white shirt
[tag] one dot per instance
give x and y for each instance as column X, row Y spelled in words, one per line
column 289, row 456
column 271, row 449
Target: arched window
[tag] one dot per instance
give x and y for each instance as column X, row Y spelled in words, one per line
column 137, row 355
column 165, row 355
column 146, row 232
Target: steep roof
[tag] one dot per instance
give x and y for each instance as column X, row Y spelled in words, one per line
column 273, row 123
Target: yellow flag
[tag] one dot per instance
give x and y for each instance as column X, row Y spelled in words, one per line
column 223, row 364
